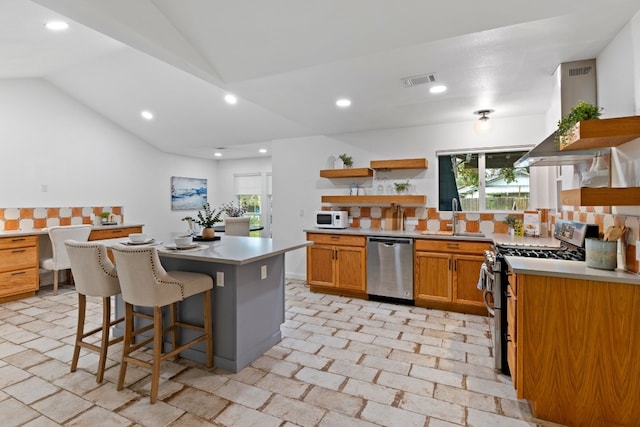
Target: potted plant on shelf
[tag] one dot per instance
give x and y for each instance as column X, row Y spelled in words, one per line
column 347, row 160
column 235, row 223
column 402, row 187
column 207, row 220
column 582, row 111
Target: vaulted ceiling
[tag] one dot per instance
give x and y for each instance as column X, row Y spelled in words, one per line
column 288, row 61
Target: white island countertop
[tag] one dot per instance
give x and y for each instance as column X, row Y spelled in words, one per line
column 236, row 250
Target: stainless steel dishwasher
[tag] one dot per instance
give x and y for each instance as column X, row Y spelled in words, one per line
column 390, row 267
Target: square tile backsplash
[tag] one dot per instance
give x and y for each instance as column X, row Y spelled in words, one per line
column 26, row 219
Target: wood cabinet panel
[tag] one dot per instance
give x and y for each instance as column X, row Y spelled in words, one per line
column 465, row 283
column 18, row 282
column 351, row 268
column 18, row 258
column 452, row 246
column 577, row 348
column 18, row 242
column 320, row 265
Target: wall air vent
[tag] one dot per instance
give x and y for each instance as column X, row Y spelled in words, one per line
column 580, row 71
column 419, row 80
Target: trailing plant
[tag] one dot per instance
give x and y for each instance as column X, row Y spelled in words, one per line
column 346, row 159
column 582, row 111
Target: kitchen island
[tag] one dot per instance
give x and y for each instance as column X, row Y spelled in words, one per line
column 248, row 295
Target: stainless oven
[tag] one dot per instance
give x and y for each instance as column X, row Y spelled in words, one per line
column 570, row 235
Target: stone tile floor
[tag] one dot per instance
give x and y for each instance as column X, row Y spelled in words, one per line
column 341, row 362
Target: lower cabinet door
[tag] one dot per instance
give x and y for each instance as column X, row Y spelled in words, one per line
column 465, row 283
column 320, row 265
column 432, row 277
column 351, row 268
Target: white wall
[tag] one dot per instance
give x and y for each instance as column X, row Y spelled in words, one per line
column 50, row 139
column 296, row 164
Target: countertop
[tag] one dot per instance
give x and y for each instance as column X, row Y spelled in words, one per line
column 236, row 250
column 520, row 265
column 39, row 231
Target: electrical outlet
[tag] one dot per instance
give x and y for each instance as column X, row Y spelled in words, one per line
column 638, row 250
column 220, row 279
column 263, row 272
column 301, row 212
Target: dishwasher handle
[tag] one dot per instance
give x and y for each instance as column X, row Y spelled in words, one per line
column 389, row 241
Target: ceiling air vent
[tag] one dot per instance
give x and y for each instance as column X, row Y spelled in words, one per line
column 580, row 71
column 419, row 80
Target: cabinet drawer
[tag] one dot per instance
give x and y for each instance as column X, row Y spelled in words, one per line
column 16, row 282
column 18, row 242
column 452, row 246
column 337, row 239
column 113, row 233
column 18, row 258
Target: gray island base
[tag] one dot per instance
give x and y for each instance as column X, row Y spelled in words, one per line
column 248, row 308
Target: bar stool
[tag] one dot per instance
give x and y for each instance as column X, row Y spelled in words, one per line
column 145, row 283
column 95, row 276
column 60, row 260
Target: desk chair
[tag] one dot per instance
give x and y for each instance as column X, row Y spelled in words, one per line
column 95, row 276
column 60, row 259
column 145, row 283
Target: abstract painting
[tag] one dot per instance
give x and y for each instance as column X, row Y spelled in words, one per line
column 188, row 193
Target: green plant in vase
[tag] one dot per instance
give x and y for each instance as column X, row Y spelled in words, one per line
column 207, row 220
column 347, row 160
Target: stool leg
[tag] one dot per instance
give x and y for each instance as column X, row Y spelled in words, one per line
column 157, row 352
column 173, row 316
column 55, row 282
column 104, row 342
column 126, row 343
column 208, row 326
column 82, row 309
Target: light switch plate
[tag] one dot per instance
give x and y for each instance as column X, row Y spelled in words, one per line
column 220, row 279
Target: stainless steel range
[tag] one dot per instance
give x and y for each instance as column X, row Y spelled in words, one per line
column 571, row 236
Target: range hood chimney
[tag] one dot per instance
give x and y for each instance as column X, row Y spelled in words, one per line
column 577, row 83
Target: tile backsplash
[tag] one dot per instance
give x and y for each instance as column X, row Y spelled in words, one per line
column 26, row 219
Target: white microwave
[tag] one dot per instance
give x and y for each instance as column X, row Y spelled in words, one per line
column 332, row 219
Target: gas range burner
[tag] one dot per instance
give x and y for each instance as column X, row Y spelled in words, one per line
column 561, row 252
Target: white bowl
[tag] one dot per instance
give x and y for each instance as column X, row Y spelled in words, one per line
column 183, row 241
column 137, row 237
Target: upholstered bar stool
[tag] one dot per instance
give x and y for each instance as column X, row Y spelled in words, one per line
column 60, row 260
column 95, row 276
column 145, row 283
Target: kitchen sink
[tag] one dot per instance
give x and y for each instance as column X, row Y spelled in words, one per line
column 469, row 234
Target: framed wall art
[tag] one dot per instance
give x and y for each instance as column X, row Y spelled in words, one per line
column 188, row 193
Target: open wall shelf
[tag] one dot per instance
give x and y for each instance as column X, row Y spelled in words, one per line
column 346, row 173
column 405, row 200
column 604, row 196
column 400, row 164
column 603, row 133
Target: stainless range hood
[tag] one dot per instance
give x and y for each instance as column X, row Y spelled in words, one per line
column 577, row 82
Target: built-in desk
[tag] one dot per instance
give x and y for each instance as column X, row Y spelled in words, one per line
column 21, row 251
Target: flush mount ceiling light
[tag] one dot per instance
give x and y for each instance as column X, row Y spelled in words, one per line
column 56, row 25
column 217, row 154
column 262, row 150
column 231, row 99
column 483, row 125
column 343, row 102
column 148, row 115
column 437, row 88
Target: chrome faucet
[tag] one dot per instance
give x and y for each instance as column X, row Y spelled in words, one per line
column 454, row 215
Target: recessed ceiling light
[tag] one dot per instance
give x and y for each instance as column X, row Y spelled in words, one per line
column 56, row 25
column 343, row 102
column 217, row 154
column 231, row 99
column 437, row 89
column 146, row 114
column 263, row 150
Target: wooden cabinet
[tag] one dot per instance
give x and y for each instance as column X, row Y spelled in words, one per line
column 446, row 275
column 18, row 267
column 336, row 263
column 512, row 329
column 577, row 349
column 113, row 232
